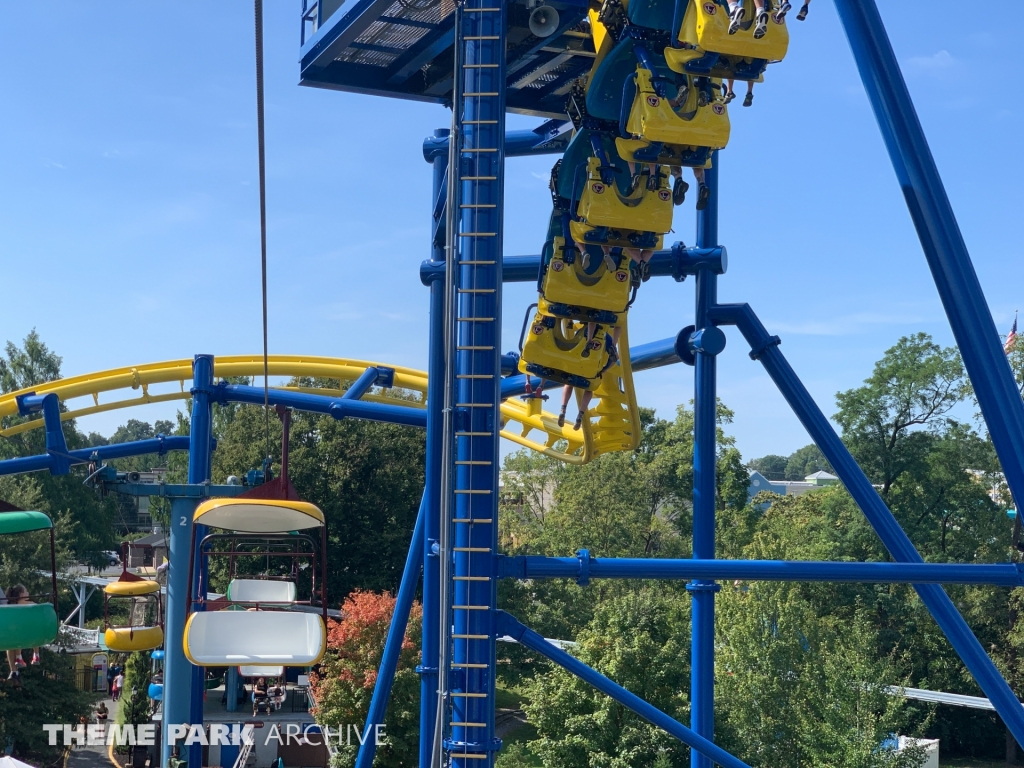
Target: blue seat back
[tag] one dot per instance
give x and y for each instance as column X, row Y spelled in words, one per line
column 653, row 14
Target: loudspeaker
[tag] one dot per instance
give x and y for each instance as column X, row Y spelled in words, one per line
column 543, row 21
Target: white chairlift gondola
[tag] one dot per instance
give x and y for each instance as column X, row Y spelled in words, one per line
column 258, row 626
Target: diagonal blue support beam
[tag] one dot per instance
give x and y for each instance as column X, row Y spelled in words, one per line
column 393, row 644
column 374, row 376
column 765, row 348
column 508, row 625
column 941, row 240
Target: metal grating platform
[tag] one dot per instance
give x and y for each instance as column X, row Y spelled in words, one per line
column 403, row 49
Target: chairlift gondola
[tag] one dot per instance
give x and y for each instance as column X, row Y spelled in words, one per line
column 29, row 624
column 259, row 626
column 144, row 629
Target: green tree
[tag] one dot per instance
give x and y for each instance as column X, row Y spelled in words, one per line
column 33, row 363
column 639, row 640
column 798, row 689
column 23, row 367
column 47, row 694
column 344, row 682
column 806, row 461
column 889, row 423
column 772, row 466
column 134, row 702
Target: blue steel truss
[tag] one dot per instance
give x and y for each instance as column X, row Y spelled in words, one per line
column 369, row 48
column 403, row 49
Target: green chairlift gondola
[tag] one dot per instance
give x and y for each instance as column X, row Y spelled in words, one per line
column 28, row 625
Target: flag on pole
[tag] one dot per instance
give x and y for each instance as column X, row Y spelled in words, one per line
column 1011, row 337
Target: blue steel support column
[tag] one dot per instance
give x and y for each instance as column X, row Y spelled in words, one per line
column 480, row 173
column 177, row 669
column 199, row 469
column 432, row 489
column 765, row 349
column 702, row 648
column 231, row 689
column 941, row 240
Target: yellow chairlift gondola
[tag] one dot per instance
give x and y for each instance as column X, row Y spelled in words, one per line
column 32, row 621
column 143, row 629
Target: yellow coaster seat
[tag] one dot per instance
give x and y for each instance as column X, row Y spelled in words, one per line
column 616, row 207
column 714, row 52
column 614, row 238
column 557, row 349
column 655, row 131
column 571, row 290
column 632, row 85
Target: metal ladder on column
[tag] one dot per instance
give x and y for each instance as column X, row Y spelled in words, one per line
column 475, row 214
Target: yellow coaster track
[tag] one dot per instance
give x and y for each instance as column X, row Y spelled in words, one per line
column 523, row 423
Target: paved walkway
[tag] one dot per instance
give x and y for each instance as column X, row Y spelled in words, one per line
column 93, row 757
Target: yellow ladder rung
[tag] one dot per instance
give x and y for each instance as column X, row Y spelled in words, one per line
column 467, row 755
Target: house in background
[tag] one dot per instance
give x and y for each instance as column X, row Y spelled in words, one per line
column 759, row 483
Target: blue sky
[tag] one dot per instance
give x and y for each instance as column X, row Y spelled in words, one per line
column 129, row 209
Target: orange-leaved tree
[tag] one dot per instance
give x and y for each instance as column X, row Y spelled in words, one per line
column 344, row 683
